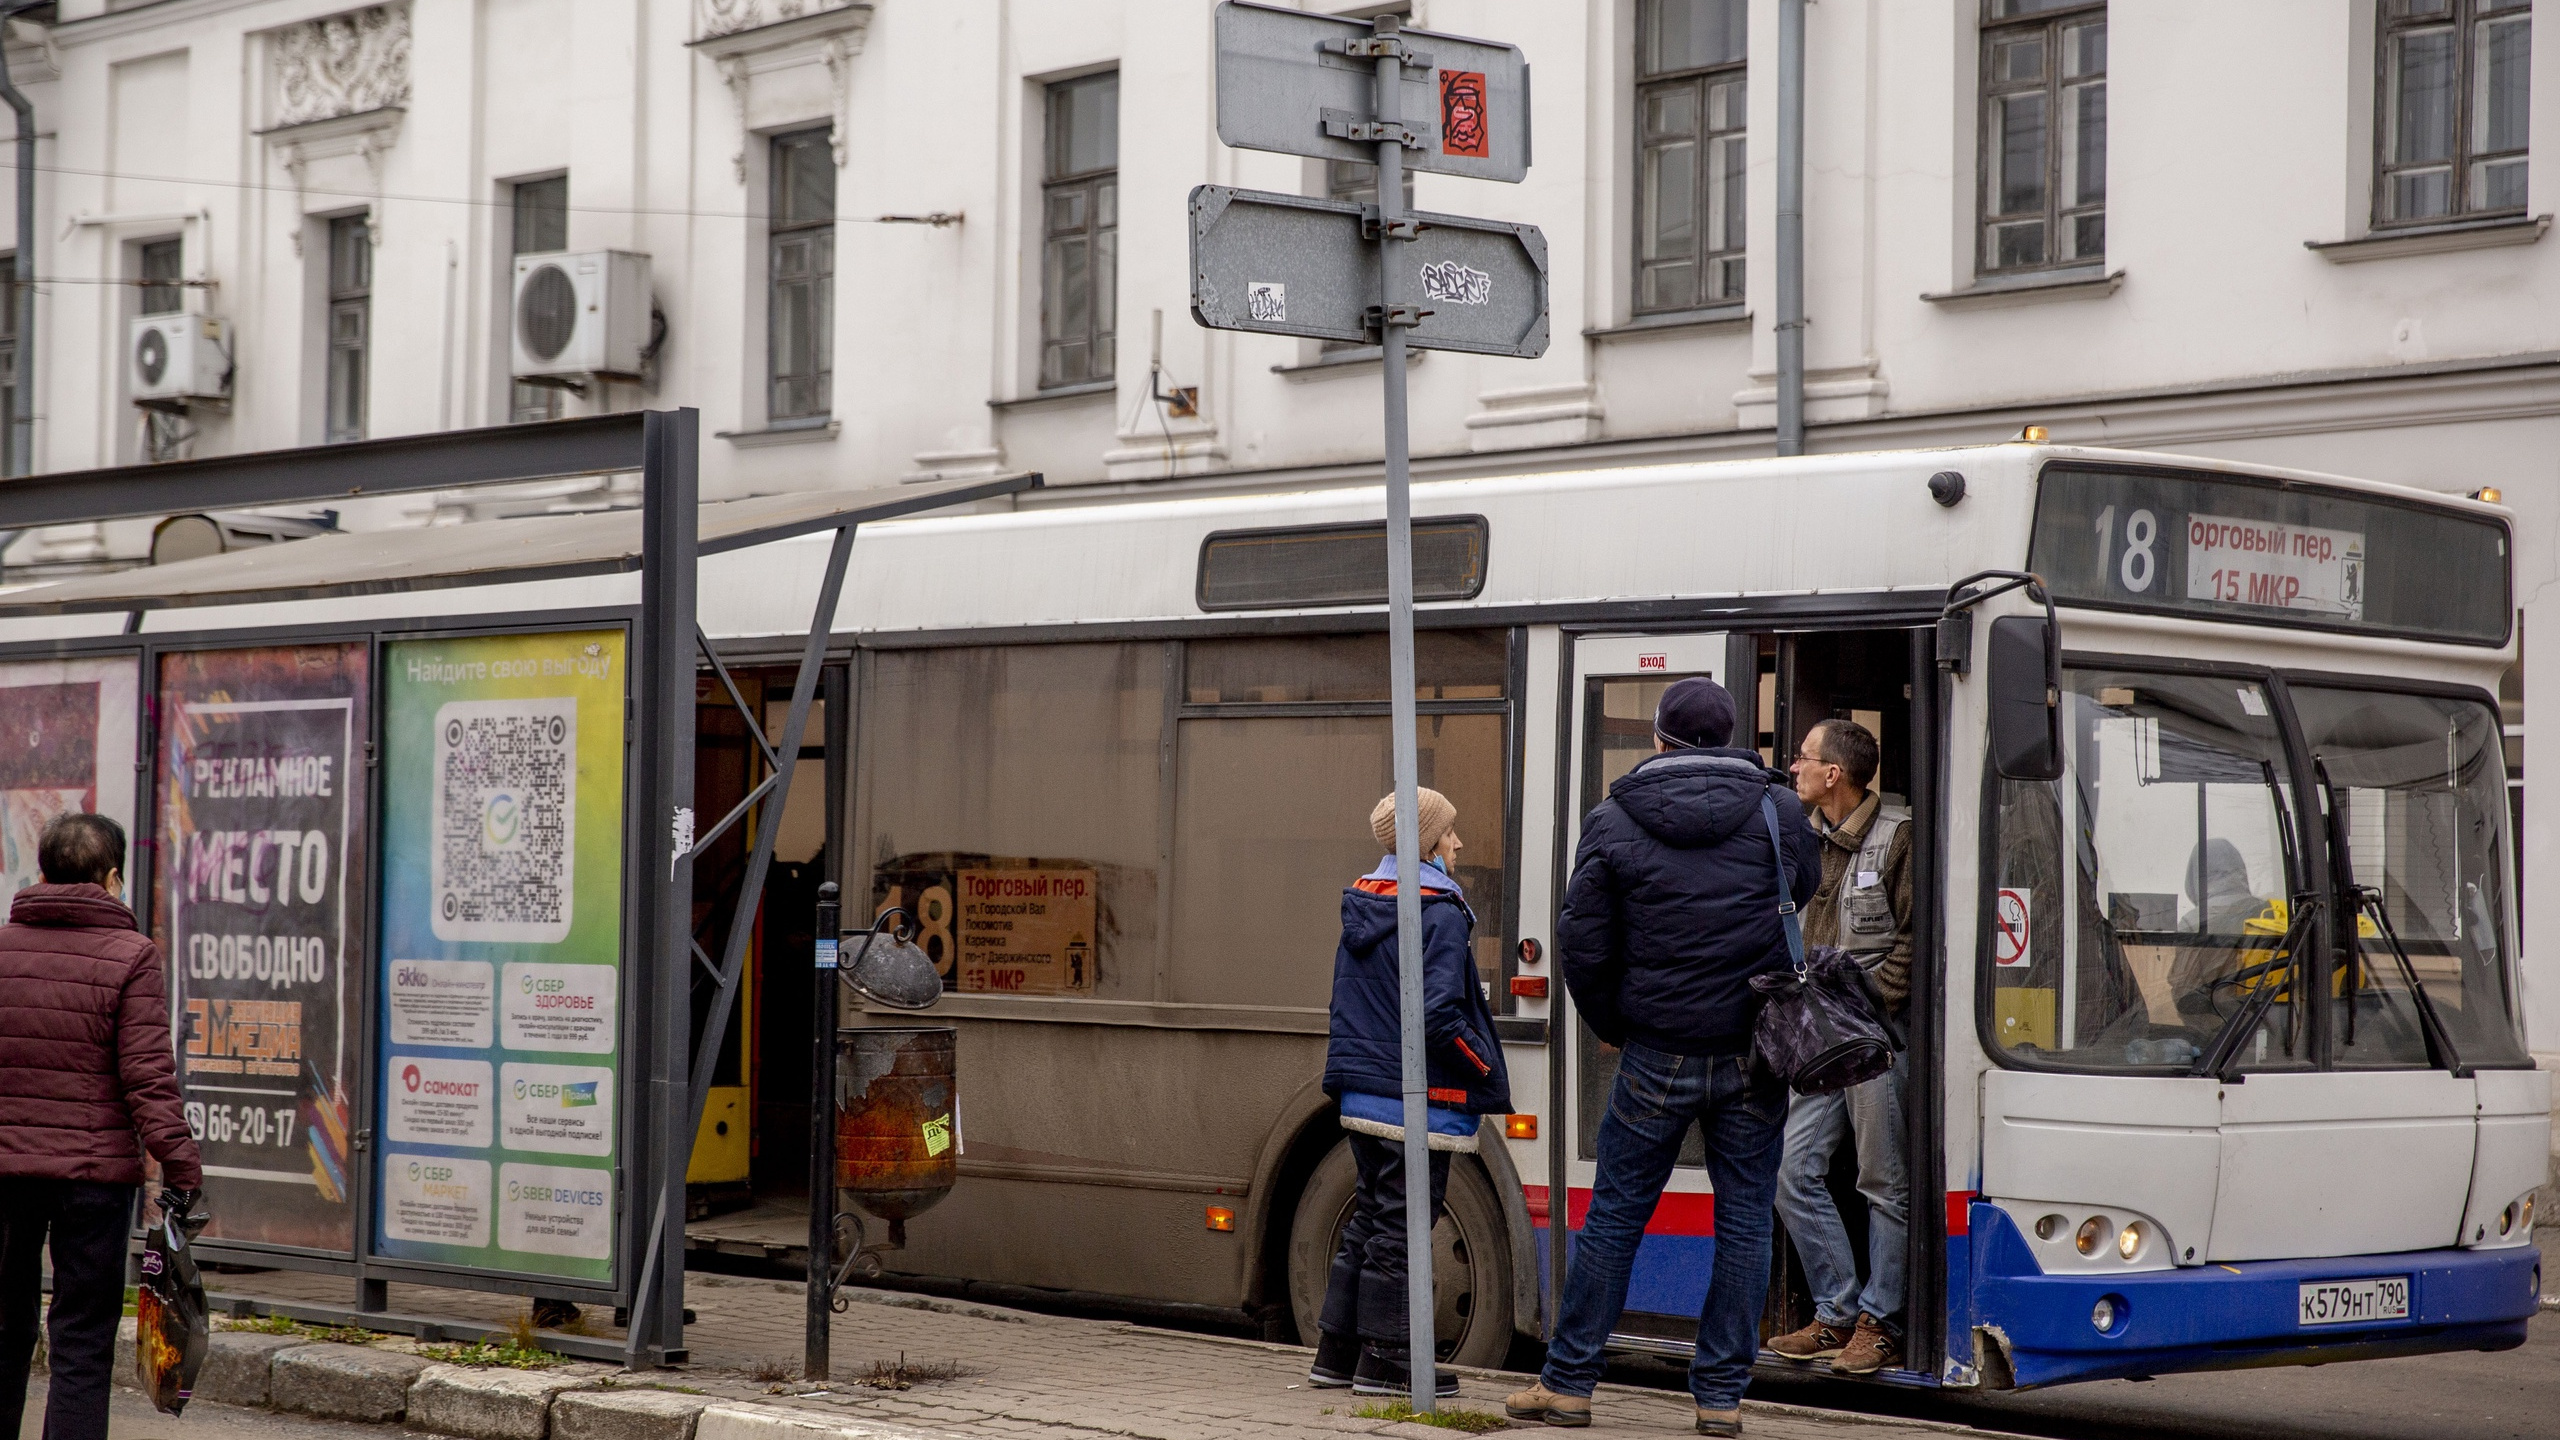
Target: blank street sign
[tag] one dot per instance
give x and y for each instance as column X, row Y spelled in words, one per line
column 1290, row 265
column 1280, row 88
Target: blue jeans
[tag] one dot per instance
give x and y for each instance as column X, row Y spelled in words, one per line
column 1816, row 1124
column 1651, row 1107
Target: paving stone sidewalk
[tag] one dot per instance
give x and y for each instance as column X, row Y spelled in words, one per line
column 1024, row 1374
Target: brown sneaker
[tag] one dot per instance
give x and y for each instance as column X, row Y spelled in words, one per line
column 1719, row 1422
column 1870, row 1349
column 1817, row 1341
column 1540, row 1403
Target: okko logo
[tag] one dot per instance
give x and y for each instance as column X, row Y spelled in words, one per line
column 409, row 1081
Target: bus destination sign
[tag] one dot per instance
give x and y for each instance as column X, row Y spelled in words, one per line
column 2275, row 566
column 2270, row 552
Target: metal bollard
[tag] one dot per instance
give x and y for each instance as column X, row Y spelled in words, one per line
column 822, row 1134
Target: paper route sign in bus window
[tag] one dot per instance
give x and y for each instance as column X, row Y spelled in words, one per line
column 1027, row 931
column 502, row 952
column 2276, row 566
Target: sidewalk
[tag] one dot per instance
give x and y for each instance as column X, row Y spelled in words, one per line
column 1023, row 1373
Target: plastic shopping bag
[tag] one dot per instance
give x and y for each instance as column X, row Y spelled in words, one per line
column 172, row 1329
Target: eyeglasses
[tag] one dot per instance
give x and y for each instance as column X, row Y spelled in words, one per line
column 1804, row 759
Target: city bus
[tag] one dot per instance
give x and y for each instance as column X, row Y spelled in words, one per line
column 2216, row 1037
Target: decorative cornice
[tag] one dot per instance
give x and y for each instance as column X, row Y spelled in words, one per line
column 721, row 20
column 742, row 39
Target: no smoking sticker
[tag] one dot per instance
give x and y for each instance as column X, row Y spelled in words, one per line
column 2010, row 935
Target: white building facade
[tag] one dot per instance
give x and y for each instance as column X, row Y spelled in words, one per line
column 910, row 239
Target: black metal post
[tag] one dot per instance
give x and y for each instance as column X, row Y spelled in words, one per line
column 664, row 755
column 822, row 1132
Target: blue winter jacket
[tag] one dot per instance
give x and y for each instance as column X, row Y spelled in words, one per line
column 1364, row 1055
column 1673, row 902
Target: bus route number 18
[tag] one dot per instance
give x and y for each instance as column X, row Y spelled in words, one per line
column 2138, row 565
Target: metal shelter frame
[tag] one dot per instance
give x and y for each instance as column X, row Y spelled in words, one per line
column 673, row 1067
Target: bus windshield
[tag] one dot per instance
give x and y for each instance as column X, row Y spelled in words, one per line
column 2142, row 901
column 2417, row 791
column 2146, row 902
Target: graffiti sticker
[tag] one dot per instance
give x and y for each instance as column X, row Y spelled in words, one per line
column 1463, row 126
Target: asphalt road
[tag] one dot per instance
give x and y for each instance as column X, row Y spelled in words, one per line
column 2512, row 1395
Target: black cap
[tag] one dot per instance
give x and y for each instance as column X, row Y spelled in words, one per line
column 1694, row 712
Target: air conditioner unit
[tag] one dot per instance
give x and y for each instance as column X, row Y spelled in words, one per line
column 578, row 313
column 177, row 357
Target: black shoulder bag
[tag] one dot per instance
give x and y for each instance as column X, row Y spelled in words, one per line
column 1818, row 1028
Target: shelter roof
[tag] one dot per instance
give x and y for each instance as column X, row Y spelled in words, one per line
column 482, row 552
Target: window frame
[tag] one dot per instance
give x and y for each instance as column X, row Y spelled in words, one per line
column 1702, row 81
column 350, row 362
column 1500, row 921
column 1997, row 29
column 160, row 294
column 2462, row 19
column 816, row 369
column 1098, row 187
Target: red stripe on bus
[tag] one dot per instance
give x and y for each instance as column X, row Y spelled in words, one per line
column 1682, row 1213
column 1678, row 1213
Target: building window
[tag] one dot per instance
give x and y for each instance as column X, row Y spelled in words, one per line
column 800, row 269
column 2453, row 104
column 2044, row 134
column 12, row 461
column 161, row 263
column 350, row 324
column 1690, row 89
column 541, row 216
column 1080, row 232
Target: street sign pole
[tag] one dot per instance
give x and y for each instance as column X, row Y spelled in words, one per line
column 1295, row 83
column 1395, row 230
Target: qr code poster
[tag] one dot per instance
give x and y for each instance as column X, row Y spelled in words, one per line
column 502, row 892
column 504, row 829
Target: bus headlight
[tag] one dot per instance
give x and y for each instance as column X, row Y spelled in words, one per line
column 2517, row 1218
column 2108, row 1315
column 2129, row 1241
column 2093, row 1233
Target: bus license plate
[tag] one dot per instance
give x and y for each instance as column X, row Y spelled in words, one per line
column 2349, row 1302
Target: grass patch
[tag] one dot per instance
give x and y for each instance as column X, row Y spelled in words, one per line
column 902, row 1373
column 503, row 1354
column 1473, row 1422
column 281, row 1325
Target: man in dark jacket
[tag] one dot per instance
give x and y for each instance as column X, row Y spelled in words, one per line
column 1361, row 1334
column 1673, row 906
column 87, row 1083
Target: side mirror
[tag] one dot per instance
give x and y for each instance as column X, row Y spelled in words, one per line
column 2026, row 697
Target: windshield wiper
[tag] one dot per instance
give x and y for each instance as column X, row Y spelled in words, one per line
column 2440, row 1051
column 2221, row 1058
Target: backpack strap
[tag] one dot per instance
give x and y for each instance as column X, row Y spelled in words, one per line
column 1786, row 899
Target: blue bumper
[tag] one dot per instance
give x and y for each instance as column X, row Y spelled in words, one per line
column 2211, row 1317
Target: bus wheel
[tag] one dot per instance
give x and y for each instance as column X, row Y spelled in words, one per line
column 1470, row 1258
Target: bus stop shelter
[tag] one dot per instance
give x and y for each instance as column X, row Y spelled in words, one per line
column 485, row 1084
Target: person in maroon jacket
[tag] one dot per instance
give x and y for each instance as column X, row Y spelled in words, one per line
column 87, row 1083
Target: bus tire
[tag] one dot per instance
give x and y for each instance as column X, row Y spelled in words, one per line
column 1471, row 1258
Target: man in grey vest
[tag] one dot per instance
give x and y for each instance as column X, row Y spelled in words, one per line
column 1864, row 907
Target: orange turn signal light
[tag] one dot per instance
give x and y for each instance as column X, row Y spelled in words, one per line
column 1529, row 987
column 1520, row 1127
column 1221, row 1218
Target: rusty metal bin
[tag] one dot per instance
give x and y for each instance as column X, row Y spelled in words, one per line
column 897, row 1120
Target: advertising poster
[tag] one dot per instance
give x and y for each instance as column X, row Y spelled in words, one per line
column 259, row 871
column 58, row 720
column 501, row 952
